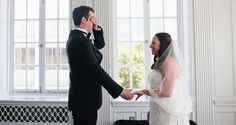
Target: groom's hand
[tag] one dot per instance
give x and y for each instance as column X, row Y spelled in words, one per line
column 127, row 95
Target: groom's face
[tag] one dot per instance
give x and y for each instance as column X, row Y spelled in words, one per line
column 89, row 23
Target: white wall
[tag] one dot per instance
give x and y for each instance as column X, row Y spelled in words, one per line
column 215, row 59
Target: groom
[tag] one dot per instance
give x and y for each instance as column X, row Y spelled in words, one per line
column 86, row 74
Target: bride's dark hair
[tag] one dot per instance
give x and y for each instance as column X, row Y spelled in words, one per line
column 165, row 40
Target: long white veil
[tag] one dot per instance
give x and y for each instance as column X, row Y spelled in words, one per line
column 171, row 65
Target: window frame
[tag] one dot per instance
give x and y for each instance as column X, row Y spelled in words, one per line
column 181, row 36
column 42, row 49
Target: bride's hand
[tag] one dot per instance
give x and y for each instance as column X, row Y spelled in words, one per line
column 139, row 93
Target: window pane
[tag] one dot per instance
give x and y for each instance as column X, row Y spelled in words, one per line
column 20, row 54
column 137, row 33
column 20, row 9
column 156, row 8
column 63, row 30
column 124, row 77
column 123, row 30
column 51, row 54
column 33, row 78
column 136, row 8
column 138, row 52
column 51, row 31
column 32, row 54
column 33, row 31
column 50, row 77
column 33, row 9
column 123, row 8
column 63, row 8
column 123, row 53
column 64, row 77
column 138, row 77
column 20, row 31
column 63, row 55
column 171, row 27
column 170, row 8
column 19, row 78
column 156, row 25
column 51, row 9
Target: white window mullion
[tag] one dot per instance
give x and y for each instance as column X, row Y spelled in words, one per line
column 130, row 44
column 26, row 50
column 131, row 63
column 57, row 51
column 42, row 47
column 11, row 53
column 163, row 15
column 147, row 52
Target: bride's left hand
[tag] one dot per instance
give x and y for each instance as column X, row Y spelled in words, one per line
column 139, row 93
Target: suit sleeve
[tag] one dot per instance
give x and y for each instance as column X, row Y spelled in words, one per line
column 94, row 69
column 99, row 41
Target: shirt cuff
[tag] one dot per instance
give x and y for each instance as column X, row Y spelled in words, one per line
column 98, row 28
column 122, row 92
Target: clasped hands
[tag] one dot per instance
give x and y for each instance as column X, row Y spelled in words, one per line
column 128, row 94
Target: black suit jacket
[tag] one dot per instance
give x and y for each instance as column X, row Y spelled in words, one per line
column 86, row 74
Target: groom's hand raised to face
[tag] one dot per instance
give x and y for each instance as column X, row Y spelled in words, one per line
column 127, row 95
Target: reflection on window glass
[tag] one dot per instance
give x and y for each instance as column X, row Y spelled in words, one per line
column 20, row 56
column 51, row 56
column 31, row 56
column 63, row 56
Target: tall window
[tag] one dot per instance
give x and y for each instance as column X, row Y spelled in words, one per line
column 40, row 30
column 136, row 23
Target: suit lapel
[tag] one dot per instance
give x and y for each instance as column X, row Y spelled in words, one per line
column 96, row 52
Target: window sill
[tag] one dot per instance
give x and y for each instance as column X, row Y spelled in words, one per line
column 141, row 102
column 34, row 98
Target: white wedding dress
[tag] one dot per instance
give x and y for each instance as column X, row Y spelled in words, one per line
column 172, row 110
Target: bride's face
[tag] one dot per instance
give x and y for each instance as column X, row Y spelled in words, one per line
column 155, row 45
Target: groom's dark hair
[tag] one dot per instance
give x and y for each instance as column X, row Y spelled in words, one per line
column 79, row 12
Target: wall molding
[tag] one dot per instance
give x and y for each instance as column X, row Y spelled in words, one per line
column 203, row 61
column 224, row 103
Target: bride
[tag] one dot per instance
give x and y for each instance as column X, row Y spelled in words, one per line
column 170, row 102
